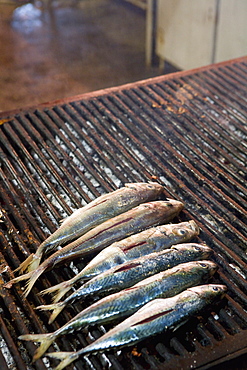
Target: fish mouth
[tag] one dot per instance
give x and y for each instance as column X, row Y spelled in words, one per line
column 194, row 227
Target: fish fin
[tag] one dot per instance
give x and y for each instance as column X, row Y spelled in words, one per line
column 57, row 297
column 32, row 276
column 51, row 289
column 71, row 216
column 56, row 307
column 45, row 341
column 24, row 265
column 34, row 264
column 17, row 279
column 62, row 220
column 61, row 290
column 31, row 263
column 65, row 357
column 173, row 328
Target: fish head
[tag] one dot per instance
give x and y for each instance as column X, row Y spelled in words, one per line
column 151, row 189
column 195, row 250
column 183, row 231
column 204, row 268
column 175, row 204
column 209, row 292
column 209, row 266
column 165, row 210
column 192, row 225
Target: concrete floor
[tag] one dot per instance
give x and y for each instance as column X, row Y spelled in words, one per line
column 68, row 48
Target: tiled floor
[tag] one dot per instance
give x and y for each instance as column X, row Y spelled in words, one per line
column 69, row 47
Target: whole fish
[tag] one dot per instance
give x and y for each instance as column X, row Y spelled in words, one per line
column 137, row 245
column 155, row 317
column 130, row 222
column 126, row 302
column 165, row 283
column 130, row 273
column 94, row 213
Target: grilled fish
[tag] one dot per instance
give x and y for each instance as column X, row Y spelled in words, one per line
column 126, row 302
column 130, row 273
column 156, row 316
column 130, row 222
column 163, row 284
column 94, row 213
column 134, row 246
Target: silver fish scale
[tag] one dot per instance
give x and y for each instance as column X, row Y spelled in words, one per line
column 157, row 316
column 165, row 284
column 130, row 273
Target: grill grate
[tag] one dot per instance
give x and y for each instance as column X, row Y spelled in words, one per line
column 186, row 130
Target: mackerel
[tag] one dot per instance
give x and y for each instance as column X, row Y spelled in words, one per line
column 159, row 315
column 130, row 273
column 94, row 213
column 151, row 240
column 130, row 222
column 126, row 302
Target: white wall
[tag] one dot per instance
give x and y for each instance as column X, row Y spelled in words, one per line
column 193, row 33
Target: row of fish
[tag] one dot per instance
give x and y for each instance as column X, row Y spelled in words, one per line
column 125, row 302
column 143, row 271
column 114, row 229
column 158, row 315
column 138, row 245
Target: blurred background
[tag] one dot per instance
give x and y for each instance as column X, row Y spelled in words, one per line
column 53, row 49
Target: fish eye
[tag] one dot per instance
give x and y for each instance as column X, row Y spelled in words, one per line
column 215, row 288
column 197, row 248
column 181, row 232
column 203, row 264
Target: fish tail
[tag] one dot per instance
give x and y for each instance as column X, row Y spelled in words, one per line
column 60, row 289
column 65, row 357
column 25, row 264
column 32, row 262
column 45, row 341
column 56, row 307
column 17, row 279
column 32, row 276
column 35, row 262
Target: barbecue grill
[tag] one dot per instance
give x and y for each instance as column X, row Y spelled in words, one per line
column 187, row 131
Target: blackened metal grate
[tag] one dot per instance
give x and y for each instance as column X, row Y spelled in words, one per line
column 186, row 130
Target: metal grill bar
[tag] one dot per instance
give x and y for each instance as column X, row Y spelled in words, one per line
column 186, row 130
column 174, row 153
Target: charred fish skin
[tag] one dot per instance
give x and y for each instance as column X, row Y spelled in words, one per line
column 99, row 210
column 127, row 301
column 155, row 317
column 137, row 245
column 130, row 273
column 130, row 222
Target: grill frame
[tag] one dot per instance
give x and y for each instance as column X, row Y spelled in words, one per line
column 58, row 155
